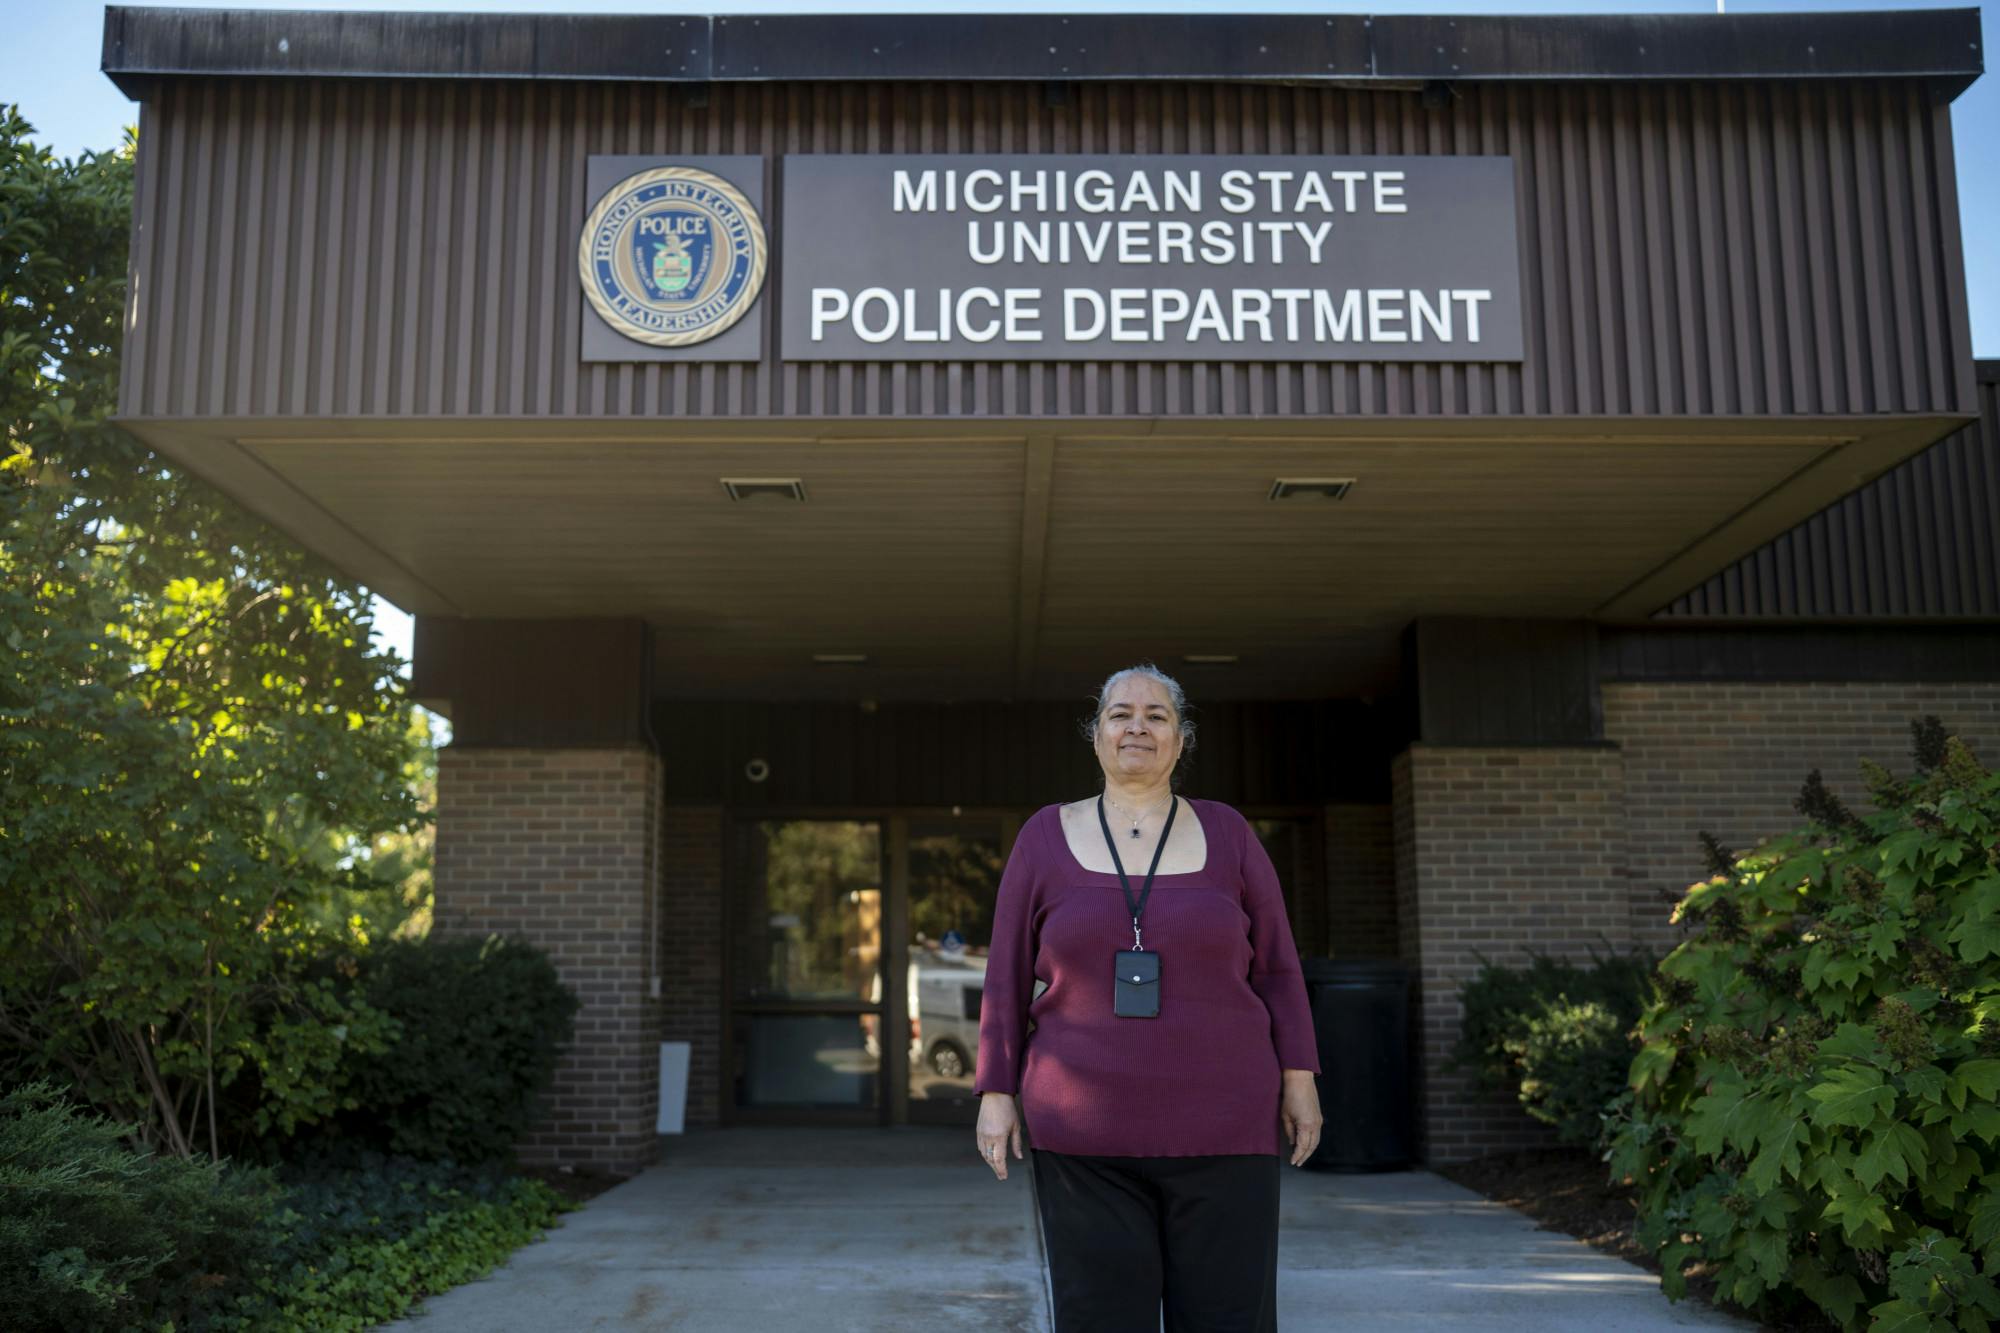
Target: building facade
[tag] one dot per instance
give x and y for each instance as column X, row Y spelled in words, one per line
column 1532, row 441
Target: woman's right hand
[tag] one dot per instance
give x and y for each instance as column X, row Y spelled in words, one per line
column 999, row 1125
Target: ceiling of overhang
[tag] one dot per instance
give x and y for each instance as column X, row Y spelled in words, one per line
column 990, row 566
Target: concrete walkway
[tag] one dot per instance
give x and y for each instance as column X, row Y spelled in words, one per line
column 871, row 1230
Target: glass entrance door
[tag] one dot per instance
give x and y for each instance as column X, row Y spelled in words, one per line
column 806, row 970
column 823, row 911
column 953, row 875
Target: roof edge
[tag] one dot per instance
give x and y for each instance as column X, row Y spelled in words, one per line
column 145, row 44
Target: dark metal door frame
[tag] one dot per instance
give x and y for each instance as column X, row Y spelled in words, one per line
column 893, row 1021
column 893, row 1017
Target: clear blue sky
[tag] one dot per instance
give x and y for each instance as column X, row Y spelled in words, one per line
column 55, row 45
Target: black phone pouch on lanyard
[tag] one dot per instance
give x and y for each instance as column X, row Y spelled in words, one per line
column 1135, row 978
column 1137, row 992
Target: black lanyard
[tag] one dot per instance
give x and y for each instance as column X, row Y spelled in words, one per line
column 1125, row 883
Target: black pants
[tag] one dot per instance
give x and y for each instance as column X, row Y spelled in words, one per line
column 1128, row 1236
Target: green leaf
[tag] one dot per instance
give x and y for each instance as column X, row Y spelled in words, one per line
column 1981, row 898
column 1861, row 1217
column 1853, row 1041
column 1883, row 937
column 1726, row 1116
column 1981, row 1120
column 1673, row 1262
column 1777, row 889
column 1650, row 1065
column 1902, row 849
column 1837, row 1293
column 1780, row 1152
column 1980, row 1078
column 1926, row 1083
column 1902, row 1317
column 1892, row 1150
column 1984, row 1229
column 1718, row 980
column 1977, row 938
column 1768, row 1251
column 1774, row 1209
column 1851, row 1096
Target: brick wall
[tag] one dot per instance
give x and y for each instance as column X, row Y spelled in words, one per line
column 1497, row 848
column 562, row 846
column 691, row 950
column 1487, row 848
column 1361, row 881
column 1729, row 757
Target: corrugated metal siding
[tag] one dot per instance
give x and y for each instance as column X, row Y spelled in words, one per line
column 335, row 248
column 1922, row 539
column 1800, row 651
column 1270, row 752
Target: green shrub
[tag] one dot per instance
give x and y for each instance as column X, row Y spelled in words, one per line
column 1573, row 1063
column 367, row 1281
column 1814, row 1107
column 361, row 1237
column 1555, row 1034
column 94, row 1235
column 483, row 1024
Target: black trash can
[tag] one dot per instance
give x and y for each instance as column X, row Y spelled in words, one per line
column 1360, row 1009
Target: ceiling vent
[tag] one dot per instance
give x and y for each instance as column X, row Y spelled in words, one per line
column 784, row 488
column 1209, row 659
column 840, row 659
column 1327, row 488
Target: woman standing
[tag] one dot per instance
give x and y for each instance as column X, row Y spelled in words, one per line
column 1172, row 1046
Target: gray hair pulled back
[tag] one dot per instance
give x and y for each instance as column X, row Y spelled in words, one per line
column 1175, row 696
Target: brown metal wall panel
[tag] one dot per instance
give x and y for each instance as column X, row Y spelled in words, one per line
column 1267, row 752
column 1800, row 652
column 1922, row 539
column 535, row 682
column 1500, row 681
column 380, row 247
column 145, row 180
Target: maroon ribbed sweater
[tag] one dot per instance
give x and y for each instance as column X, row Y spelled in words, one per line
column 1201, row 1078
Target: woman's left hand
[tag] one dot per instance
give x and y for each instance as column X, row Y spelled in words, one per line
column 1300, row 1113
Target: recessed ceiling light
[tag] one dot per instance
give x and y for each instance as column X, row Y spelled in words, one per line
column 840, row 659
column 1329, row 488
column 1210, row 659
column 785, row 488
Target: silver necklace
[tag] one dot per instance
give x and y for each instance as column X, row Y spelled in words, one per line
column 1140, row 817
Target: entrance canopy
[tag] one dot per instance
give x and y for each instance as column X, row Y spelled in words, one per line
column 491, row 310
column 970, row 562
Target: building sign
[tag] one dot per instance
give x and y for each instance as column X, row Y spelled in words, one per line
column 672, row 258
column 1149, row 258
column 1054, row 258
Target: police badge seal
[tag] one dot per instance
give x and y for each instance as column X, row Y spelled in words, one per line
column 672, row 256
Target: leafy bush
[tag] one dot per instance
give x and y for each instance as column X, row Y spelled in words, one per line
column 1556, row 1035
column 1573, row 1063
column 1813, row 1109
column 94, row 1235
column 201, row 750
column 483, row 1024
